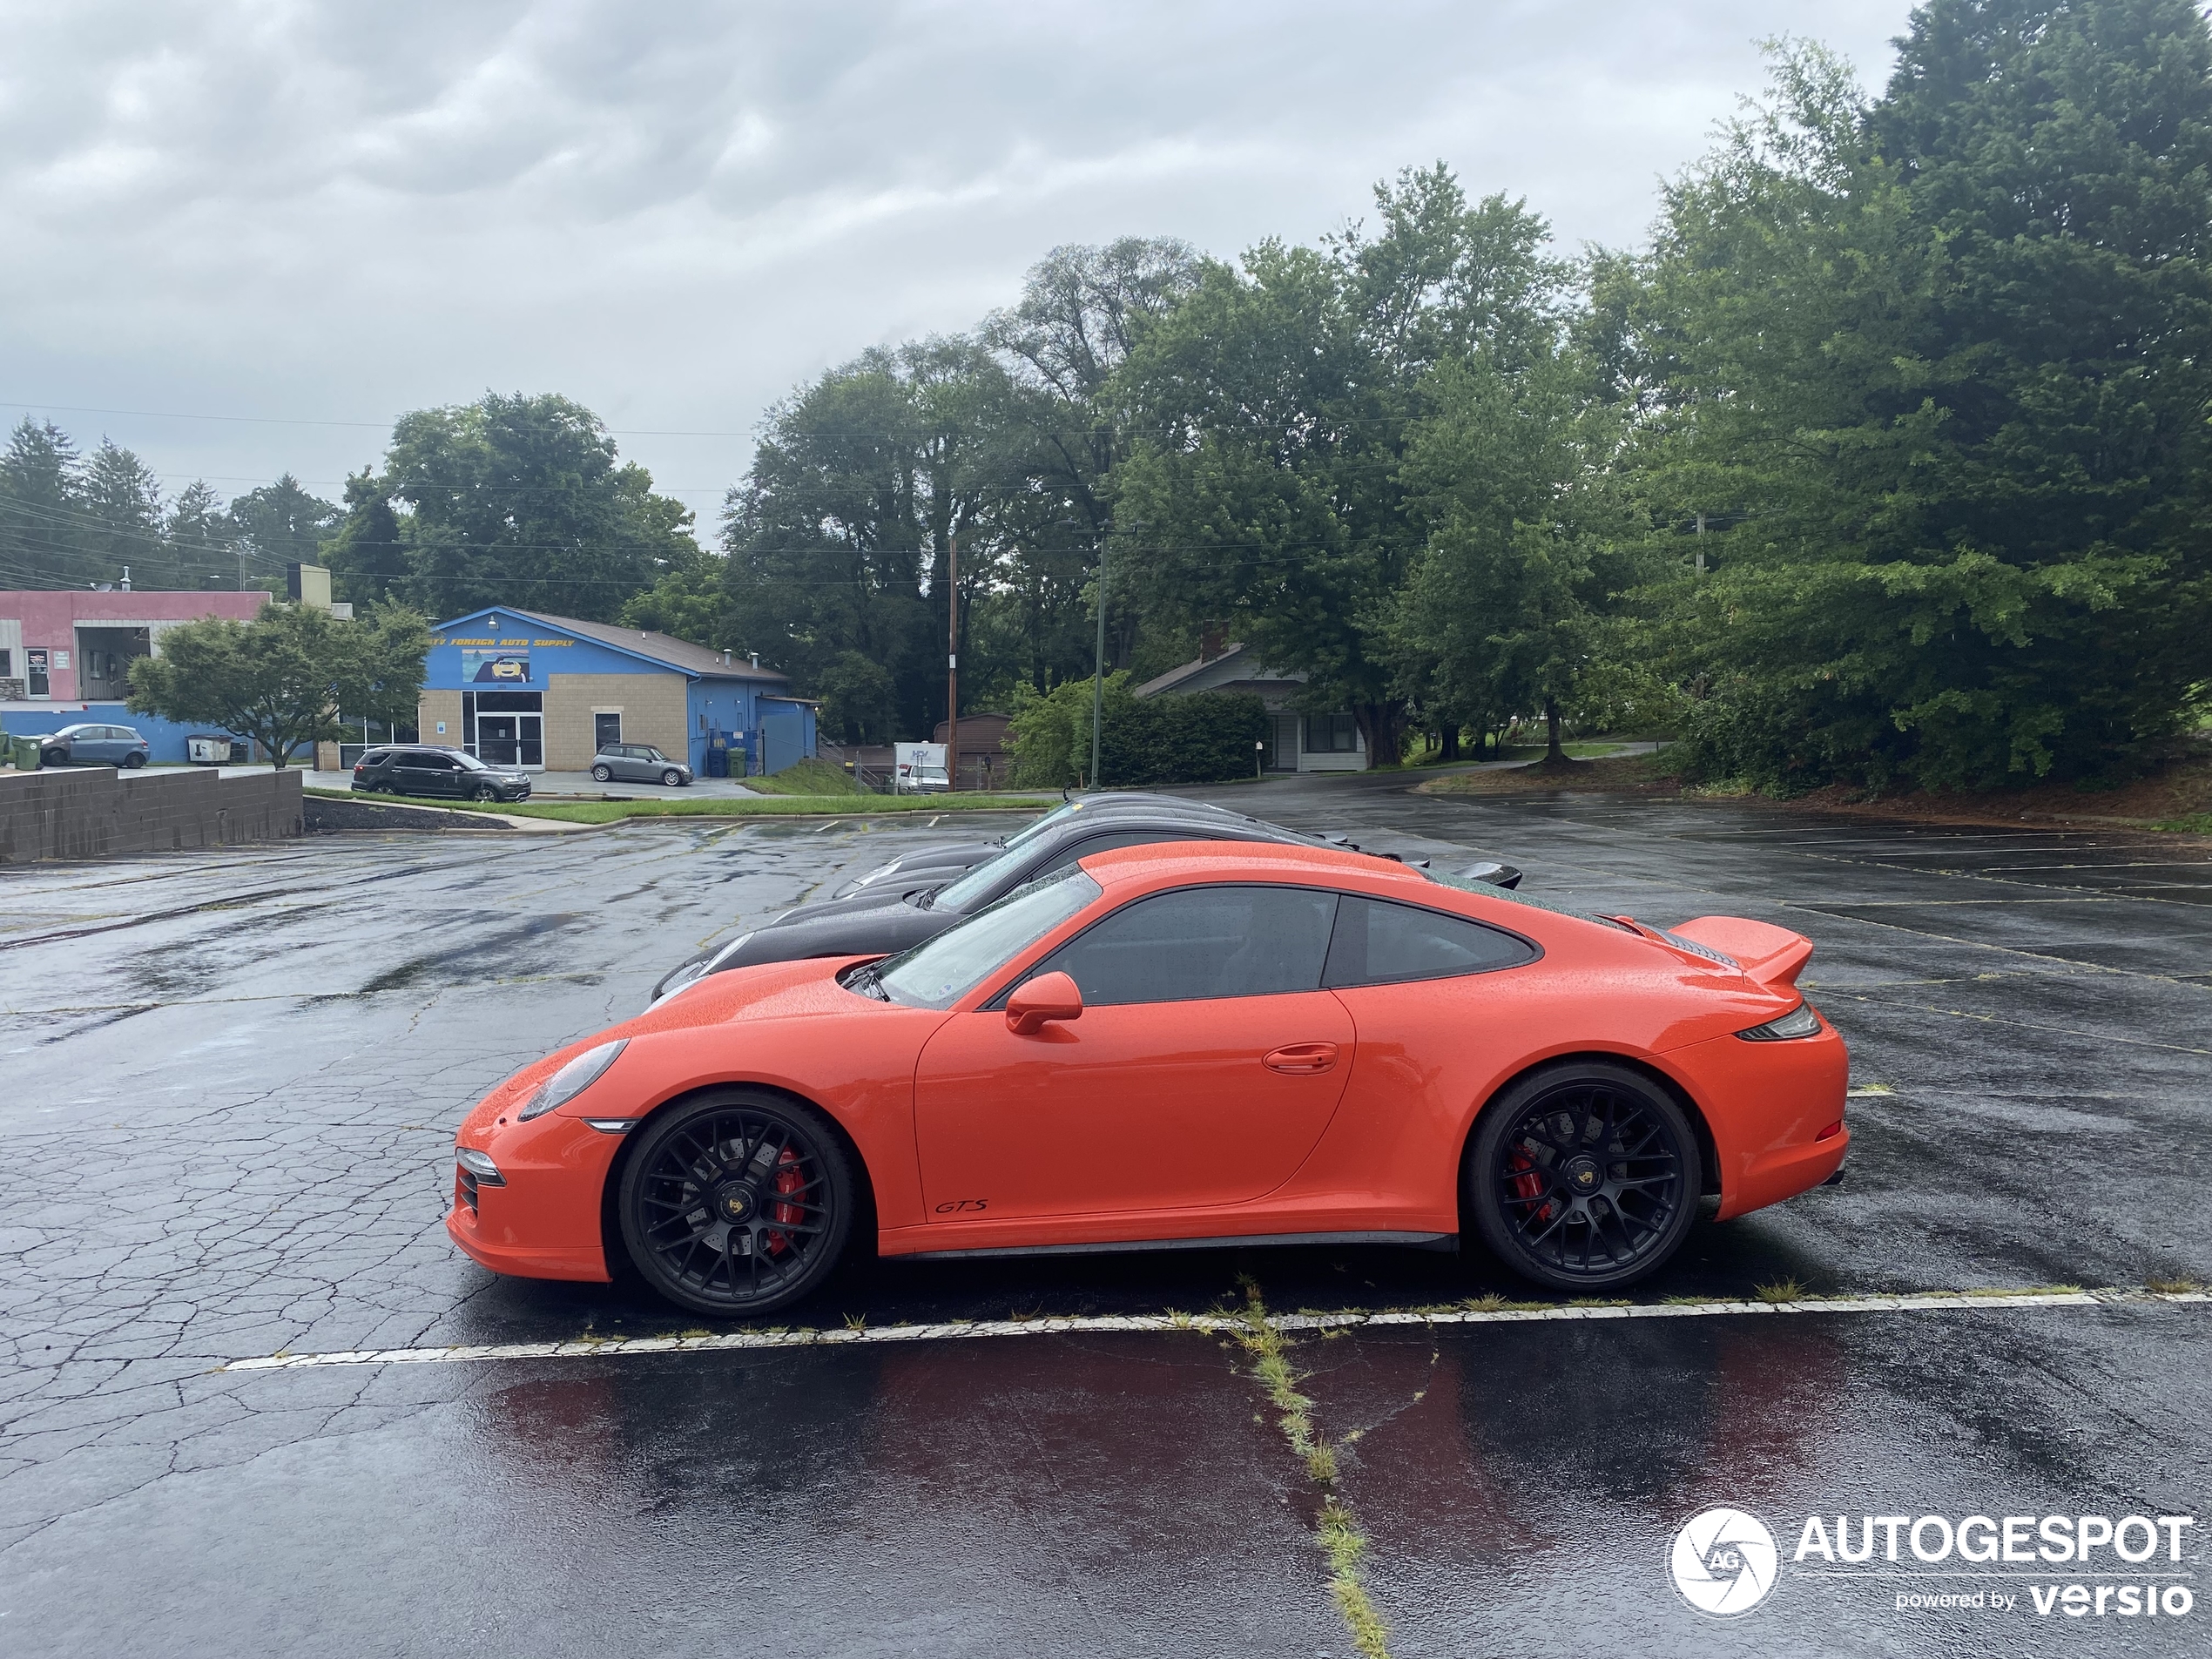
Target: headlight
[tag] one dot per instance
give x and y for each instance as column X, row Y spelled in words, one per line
column 1799, row 1022
column 571, row 1080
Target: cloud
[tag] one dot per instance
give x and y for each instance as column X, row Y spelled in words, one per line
column 676, row 212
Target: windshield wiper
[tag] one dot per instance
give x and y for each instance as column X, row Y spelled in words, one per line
column 864, row 980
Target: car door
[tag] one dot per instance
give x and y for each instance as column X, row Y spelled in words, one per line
column 1204, row 1068
column 426, row 772
column 635, row 765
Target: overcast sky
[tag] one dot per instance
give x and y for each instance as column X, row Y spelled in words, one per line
column 674, row 212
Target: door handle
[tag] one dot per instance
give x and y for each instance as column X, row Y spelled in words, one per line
column 1303, row 1059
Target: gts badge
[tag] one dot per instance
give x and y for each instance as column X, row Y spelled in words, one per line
column 962, row 1206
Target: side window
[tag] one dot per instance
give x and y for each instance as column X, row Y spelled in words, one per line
column 1379, row 943
column 429, row 761
column 1091, row 844
column 1197, row 943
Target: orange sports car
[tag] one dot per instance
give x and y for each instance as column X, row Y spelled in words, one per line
column 1172, row 1045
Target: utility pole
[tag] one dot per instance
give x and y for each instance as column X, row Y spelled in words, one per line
column 1098, row 665
column 952, row 663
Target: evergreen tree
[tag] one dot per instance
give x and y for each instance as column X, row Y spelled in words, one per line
column 120, row 499
column 41, row 514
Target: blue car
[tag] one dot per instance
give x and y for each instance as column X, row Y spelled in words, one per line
column 93, row 746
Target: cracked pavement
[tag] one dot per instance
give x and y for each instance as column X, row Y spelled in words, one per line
column 231, row 1081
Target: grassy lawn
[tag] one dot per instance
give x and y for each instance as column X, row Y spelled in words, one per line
column 811, row 777
column 609, row 811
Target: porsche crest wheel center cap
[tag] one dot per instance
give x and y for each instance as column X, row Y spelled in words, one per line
column 1582, row 1174
column 736, row 1202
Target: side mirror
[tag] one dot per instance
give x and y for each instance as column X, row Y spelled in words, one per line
column 1041, row 1001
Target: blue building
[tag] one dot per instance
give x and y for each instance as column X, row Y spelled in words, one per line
column 521, row 688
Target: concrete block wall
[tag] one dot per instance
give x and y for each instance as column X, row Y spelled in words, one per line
column 652, row 706
column 96, row 812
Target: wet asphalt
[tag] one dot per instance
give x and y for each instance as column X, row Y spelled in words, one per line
column 229, row 1083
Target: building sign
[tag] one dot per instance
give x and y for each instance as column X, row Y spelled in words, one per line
column 495, row 667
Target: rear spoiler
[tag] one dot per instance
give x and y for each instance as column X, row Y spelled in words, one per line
column 1769, row 955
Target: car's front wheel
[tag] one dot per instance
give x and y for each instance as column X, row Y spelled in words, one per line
column 54, row 758
column 604, row 774
column 1584, row 1176
column 672, row 779
column 737, row 1204
column 487, row 792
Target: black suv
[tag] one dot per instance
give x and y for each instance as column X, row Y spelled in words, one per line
column 436, row 772
column 876, row 923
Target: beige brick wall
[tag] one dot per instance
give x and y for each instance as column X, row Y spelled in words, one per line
column 432, row 707
column 652, row 708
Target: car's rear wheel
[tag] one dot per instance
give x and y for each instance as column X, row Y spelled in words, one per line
column 604, row 774
column 1584, row 1176
column 134, row 761
column 672, row 779
column 737, row 1204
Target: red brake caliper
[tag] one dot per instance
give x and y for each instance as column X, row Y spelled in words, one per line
column 788, row 1180
column 1528, row 1186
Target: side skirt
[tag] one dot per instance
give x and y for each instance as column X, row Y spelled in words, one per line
column 1416, row 1241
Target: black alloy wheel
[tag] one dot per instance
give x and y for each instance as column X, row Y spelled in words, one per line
column 672, row 779
column 54, row 758
column 604, row 774
column 737, row 1204
column 1584, row 1177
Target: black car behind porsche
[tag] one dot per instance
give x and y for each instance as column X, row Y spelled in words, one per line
column 900, row 906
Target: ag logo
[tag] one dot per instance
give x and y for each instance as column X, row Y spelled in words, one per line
column 1724, row 1563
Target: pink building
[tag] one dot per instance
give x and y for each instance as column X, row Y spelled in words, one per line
column 75, row 645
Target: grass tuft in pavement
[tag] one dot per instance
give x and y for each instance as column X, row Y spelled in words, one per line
column 1335, row 1529
column 1787, row 1290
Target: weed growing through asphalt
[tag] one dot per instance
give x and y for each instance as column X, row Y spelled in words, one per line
column 1335, row 1529
column 1787, row 1290
column 2172, row 1286
column 856, row 1322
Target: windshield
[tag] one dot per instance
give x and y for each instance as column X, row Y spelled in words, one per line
column 971, row 885
column 1030, row 832
column 938, row 973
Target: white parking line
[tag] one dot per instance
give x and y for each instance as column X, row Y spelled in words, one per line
column 718, row 1342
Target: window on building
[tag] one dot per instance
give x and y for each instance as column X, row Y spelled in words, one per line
column 7, row 664
column 1331, row 734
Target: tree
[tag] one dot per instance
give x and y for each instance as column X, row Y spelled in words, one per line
column 523, row 501
column 1269, row 414
column 1531, row 545
column 198, row 535
column 367, row 555
column 1938, row 371
column 295, row 675
column 277, row 525
column 120, row 499
column 40, row 513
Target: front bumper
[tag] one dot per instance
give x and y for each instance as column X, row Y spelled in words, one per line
column 541, row 1220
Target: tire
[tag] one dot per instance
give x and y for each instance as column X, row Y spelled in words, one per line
column 487, row 792
column 671, row 780
column 1562, row 1218
column 54, row 758
column 134, row 761
column 604, row 774
column 737, row 1163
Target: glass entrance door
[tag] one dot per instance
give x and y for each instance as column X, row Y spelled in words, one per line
column 511, row 740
